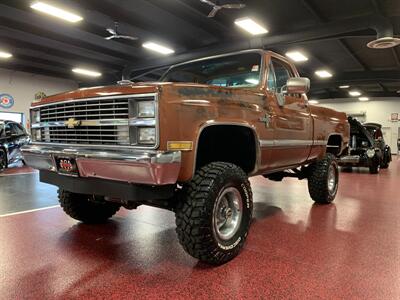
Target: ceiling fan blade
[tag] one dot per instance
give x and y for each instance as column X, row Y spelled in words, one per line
column 127, row 37
column 111, row 31
column 235, row 6
column 214, row 11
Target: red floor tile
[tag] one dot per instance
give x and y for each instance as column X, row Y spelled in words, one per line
column 295, row 250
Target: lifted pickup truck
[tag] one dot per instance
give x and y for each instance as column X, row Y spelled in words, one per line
column 189, row 143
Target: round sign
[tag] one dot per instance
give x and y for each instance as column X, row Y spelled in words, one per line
column 6, row 101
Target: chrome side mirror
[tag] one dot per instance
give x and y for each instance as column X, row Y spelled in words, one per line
column 298, row 85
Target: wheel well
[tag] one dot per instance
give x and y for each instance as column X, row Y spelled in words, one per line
column 229, row 143
column 334, row 145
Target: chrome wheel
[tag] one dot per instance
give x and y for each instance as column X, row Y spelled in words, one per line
column 227, row 215
column 332, row 180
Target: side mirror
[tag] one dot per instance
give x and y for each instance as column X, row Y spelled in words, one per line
column 298, row 85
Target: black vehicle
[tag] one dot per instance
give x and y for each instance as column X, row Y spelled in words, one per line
column 367, row 147
column 12, row 137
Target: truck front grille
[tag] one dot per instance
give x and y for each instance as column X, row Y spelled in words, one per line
column 100, row 121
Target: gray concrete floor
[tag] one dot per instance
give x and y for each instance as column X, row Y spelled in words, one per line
column 25, row 192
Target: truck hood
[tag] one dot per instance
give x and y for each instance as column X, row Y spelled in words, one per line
column 104, row 91
column 128, row 89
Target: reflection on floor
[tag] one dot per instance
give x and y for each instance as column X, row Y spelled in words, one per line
column 295, row 250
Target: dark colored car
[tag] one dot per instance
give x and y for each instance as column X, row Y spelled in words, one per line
column 12, row 137
column 367, row 147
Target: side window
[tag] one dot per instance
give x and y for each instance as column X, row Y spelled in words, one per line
column 271, row 78
column 8, row 130
column 16, row 129
column 282, row 73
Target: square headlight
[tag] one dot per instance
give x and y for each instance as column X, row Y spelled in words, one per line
column 35, row 116
column 147, row 135
column 146, row 109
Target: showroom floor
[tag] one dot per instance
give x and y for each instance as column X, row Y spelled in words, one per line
column 295, row 249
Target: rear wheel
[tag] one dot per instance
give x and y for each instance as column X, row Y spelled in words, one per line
column 86, row 208
column 387, row 157
column 213, row 217
column 323, row 179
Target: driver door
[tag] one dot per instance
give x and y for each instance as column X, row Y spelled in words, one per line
column 292, row 122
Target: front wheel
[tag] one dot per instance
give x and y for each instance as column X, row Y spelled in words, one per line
column 323, row 179
column 214, row 215
column 3, row 160
column 86, row 208
column 374, row 165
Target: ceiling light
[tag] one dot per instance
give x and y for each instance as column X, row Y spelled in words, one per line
column 344, row 87
column 354, row 93
column 86, row 72
column 251, row 26
column 296, row 56
column 5, row 54
column 313, row 101
column 323, row 74
column 363, row 99
column 56, row 12
column 158, row 48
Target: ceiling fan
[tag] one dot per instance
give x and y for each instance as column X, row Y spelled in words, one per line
column 217, row 7
column 115, row 35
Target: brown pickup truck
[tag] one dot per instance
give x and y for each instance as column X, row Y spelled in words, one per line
column 188, row 143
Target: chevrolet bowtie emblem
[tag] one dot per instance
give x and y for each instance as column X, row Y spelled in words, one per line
column 72, row 123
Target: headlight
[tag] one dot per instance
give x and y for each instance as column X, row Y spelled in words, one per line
column 35, row 116
column 370, row 153
column 147, row 135
column 36, row 135
column 146, row 109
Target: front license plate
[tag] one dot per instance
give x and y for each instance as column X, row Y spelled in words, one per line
column 67, row 166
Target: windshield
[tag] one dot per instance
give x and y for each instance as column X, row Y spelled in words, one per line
column 240, row 70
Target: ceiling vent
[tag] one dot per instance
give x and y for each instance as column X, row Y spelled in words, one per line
column 384, row 43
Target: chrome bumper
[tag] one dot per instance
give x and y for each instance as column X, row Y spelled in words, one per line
column 131, row 166
column 350, row 159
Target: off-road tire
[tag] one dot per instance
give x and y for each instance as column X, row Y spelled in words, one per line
column 374, row 165
column 194, row 213
column 79, row 207
column 3, row 160
column 318, row 179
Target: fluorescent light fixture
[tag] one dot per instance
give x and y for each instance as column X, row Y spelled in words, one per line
column 323, row 74
column 251, row 26
column 313, row 101
column 296, row 56
column 363, row 99
column 86, row 72
column 56, row 12
column 158, row 48
column 5, row 54
column 252, row 81
column 344, row 87
column 355, row 93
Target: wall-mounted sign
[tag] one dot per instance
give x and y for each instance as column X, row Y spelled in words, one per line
column 394, row 117
column 6, row 101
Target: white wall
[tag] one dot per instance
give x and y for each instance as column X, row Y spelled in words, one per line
column 376, row 111
column 23, row 87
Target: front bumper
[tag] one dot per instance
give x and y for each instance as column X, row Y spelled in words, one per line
column 148, row 167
